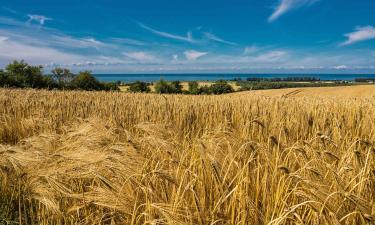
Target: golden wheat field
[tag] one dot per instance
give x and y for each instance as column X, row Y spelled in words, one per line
column 248, row 158
column 356, row 91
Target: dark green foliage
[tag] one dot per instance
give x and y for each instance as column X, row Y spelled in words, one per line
column 110, row 86
column 221, row 87
column 193, row 87
column 85, row 81
column 34, row 77
column 163, row 87
column 21, row 74
column 49, row 82
column 63, row 77
column 363, row 80
column 276, row 79
column 3, row 79
column 176, row 87
column 16, row 73
column 139, row 86
column 205, row 90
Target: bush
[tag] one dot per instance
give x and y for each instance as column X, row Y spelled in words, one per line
column 3, row 79
column 85, row 81
column 205, row 90
column 110, row 86
column 163, row 87
column 193, row 88
column 50, row 83
column 139, row 86
column 21, row 74
column 176, row 87
column 221, row 87
column 63, row 77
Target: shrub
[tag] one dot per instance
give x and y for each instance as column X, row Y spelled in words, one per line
column 85, row 81
column 221, row 87
column 193, row 87
column 110, row 86
column 21, row 74
column 176, row 87
column 3, row 79
column 139, row 86
column 205, row 90
column 63, row 77
column 163, row 87
column 49, row 82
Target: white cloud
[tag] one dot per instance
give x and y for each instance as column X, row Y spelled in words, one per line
column 10, row 21
column 341, row 67
column 2, row 38
column 286, row 5
column 71, row 42
column 271, row 56
column 251, row 49
column 139, row 56
column 38, row 18
column 10, row 10
column 128, row 41
column 361, row 34
column 92, row 41
column 188, row 38
column 175, row 57
column 213, row 37
column 193, row 55
column 14, row 50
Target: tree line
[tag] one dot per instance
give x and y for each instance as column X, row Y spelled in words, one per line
column 175, row 87
column 22, row 75
column 280, row 79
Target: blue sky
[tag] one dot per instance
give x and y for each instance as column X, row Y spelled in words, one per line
column 179, row 36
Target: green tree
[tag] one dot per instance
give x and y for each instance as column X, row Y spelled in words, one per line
column 206, row 90
column 85, row 81
column 16, row 72
column 163, row 87
column 110, row 86
column 139, row 86
column 63, row 76
column 193, row 87
column 4, row 81
column 34, row 77
column 49, row 82
column 21, row 74
column 221, row 87
column 176, row 87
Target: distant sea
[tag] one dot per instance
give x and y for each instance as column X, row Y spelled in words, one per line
column 213, row 77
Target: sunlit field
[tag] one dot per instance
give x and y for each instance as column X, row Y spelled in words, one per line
column 245, row 158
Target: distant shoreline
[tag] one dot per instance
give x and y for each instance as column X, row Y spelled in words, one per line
column 228, row 77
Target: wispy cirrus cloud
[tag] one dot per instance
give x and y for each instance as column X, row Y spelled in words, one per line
column 9, row 10
column 128, row 41
column 38, row 19
column 16, row 50
column 193, row 54
column 286, row 5
column 360, row 34
column 139, row 56
column 187, row 38
column 271, row 56
column 211, row 36
column 251, row 49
